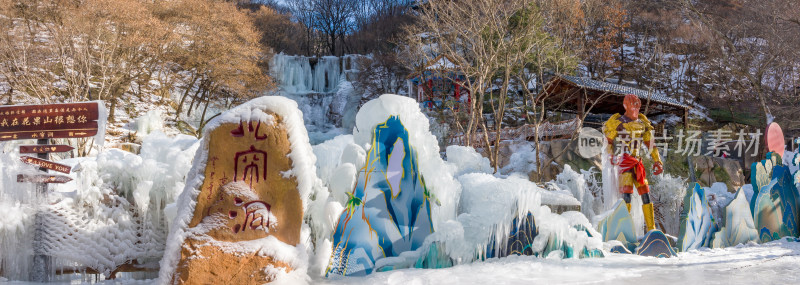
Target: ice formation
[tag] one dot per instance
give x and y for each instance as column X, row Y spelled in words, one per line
column 131, row 225
column 576, row 184
column 522, row 160
column 667, row 192
column 489, row 207
column 467, row 160
column 149, row 122
column 321, row 87
column 610, row 182
column 301, row 74
column 485, row 220
column 109, row 215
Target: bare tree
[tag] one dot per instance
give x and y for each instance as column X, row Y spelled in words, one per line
column 334, row 18
column 500, row 46
column 302, row 12
column 67, row 51
column 757, row 58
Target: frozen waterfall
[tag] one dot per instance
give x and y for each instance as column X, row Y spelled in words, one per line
column 302, row 75
column 321, row 86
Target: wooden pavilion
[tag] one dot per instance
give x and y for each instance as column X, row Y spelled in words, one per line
column 607, row 98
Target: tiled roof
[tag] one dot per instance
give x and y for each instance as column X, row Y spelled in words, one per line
column 596, row 85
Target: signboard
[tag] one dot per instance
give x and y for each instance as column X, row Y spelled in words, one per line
column 46, row 148
column 46, row 164
column 42, row 123
column 43, row 178
column 72, row 120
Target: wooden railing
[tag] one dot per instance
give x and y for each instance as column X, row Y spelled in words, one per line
column 547, row 131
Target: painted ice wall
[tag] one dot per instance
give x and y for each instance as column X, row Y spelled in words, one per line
column 775, row 199
column 389, row 211
column 697, row 223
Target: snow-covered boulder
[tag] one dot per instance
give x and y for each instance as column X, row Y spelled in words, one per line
column 240, row 217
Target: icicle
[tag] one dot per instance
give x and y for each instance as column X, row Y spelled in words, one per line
column 296, row 76
column 610, row 182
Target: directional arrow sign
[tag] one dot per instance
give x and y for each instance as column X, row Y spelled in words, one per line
column 71, row 120
column 46, row 164
column 43, row 178
column 44, row 148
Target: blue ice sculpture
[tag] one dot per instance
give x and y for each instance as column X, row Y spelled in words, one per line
column 739, row 226
column 618, row 226
column 697, row 224
column 520, row 239
column 389, row 210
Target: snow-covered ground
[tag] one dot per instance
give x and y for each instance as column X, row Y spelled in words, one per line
column 770, row 263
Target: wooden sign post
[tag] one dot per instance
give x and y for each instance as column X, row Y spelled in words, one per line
column 45, row 122
column 47, row 164
column 43, row 178
column 74, row 120
column 44, row 148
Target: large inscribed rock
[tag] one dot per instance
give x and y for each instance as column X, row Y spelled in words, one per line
column 240, row 218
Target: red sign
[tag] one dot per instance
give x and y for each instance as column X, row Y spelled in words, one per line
column 46, row 164
column 45, row 148
column 72, row 120
column 43, row 178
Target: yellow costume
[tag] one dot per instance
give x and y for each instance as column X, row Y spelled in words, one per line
column 631, row 135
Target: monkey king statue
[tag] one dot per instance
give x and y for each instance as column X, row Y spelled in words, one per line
column 630, row 132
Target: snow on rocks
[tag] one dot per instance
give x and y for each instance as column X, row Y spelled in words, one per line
column 256, row 165
column 467, row 160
